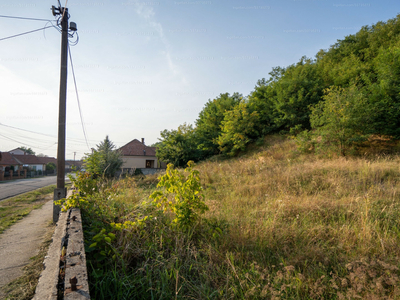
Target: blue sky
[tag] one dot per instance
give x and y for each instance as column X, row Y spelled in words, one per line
column 145, row 66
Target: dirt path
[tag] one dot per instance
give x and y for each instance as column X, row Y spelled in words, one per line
column 22, row 241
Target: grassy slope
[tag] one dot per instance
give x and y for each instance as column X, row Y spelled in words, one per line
column 317, row 226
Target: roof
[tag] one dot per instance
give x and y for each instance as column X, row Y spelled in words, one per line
column 28, row 159
column 8, row 159
column 135, row 147
column 46, row 160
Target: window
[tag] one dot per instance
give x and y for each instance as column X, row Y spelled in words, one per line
column 149, row 163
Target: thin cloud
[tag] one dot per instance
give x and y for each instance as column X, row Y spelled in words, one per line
column 146, row 11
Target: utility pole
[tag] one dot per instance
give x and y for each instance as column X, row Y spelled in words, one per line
column 74, row 155
column 61, row 192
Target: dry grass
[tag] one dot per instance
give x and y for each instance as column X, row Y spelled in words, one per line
column 314, row 227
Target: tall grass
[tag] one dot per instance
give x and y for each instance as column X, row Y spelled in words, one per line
column 280, row 225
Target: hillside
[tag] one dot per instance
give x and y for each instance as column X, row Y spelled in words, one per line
column 339, row 101
column 302, row 227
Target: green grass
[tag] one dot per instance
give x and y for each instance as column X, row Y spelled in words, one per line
column 15, row 208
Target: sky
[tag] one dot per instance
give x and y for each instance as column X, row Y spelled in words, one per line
column 145, row 66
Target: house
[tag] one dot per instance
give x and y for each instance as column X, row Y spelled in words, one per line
column 136, row 155
column 46, row 159
column 7, row 161
column 30, row 161
column 18, row 151
column 10, row 167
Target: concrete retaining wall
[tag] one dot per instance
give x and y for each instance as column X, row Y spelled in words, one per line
column 65, row 261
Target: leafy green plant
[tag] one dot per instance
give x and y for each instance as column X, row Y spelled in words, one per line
column 102, row 243
column 182, row 195
column 85, row 183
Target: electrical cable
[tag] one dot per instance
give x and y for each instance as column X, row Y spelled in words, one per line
column 77, row 39
column 23, row 18
column 56, row 27
column 77, row 96
column 13, row 36
column 76, row 140
column 20, row 142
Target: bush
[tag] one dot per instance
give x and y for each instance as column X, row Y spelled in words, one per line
column 105, row 161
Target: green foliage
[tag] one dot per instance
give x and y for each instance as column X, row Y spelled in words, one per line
column 342, row 119
column 208, row 124
column 104, row 161
column 238, row 129
column 85, row 183
column 299, row 86
column 102, row 243
column 178, row 146
column 182, row 195
column 50, row 166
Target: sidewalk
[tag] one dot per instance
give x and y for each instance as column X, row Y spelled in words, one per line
column 21, row 242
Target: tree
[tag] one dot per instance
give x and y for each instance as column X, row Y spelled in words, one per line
column 343, row 119
column 27, row 150
column 208, row 125
column 50, row 166
column 238, row 129
column 298, row 87
column 105, row 160
column 178, row 146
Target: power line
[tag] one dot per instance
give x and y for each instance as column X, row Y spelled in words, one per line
column 23, row 18
column 13, row 36
column 23, row 142
column 77, row 97
column 76, row 140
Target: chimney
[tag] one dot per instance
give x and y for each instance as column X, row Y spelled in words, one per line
column 143, row 141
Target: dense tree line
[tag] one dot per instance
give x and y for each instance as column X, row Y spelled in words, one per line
column 341, row 98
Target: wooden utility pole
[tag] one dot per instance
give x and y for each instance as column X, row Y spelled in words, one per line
column 60, row 192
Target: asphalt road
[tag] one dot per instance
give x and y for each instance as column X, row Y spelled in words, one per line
column 20, row 186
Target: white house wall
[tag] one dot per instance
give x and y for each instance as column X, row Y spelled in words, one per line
column 17, row 152
column 137, row 161
column 36, row 167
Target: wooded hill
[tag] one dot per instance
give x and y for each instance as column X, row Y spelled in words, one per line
column 345, row 98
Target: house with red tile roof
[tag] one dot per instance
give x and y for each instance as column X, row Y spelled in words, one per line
column 46, row 159
column 7, row 160
column 136, row 155
column 31, row 161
